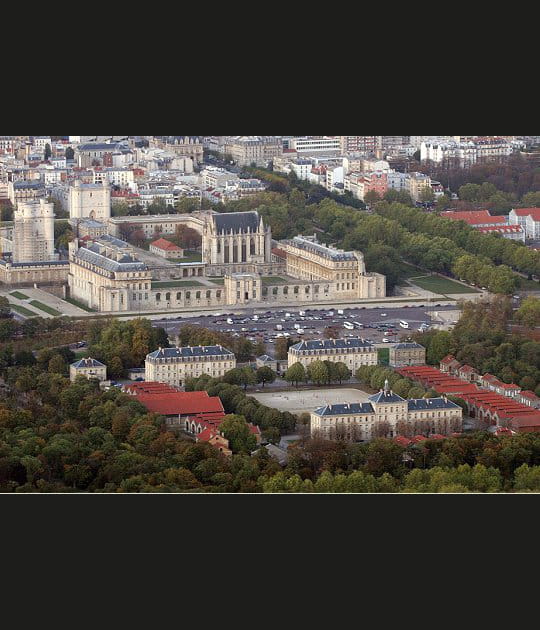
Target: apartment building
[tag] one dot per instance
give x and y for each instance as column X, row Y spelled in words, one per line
column 360, row 144
column 353, row 352
column 246, row 150
column 316, row 144
column 174, row 365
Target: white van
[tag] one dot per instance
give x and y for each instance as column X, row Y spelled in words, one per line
column 358, row 325
column 404, row 324
column 229, row 320
column 340, row 312
column 348, row 325
column 302, row 313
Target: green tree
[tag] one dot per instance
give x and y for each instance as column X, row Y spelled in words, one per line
column 295, row 374
column 47, row 152
column 265, row 375
column 316, row 372
column 236, row 430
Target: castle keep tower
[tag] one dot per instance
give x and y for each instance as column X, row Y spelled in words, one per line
column 33, row 232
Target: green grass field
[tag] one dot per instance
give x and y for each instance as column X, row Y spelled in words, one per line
column 19, row 295
column 189, row 256
column 22, row 311
column 274, row 280
column 80, row 305
column 166, row 284
column 440, row 285
column 45, row 308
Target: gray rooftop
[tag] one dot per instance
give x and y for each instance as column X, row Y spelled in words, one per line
column 408, row 346
column 238, row 222
column 386, row 396
column 329, row 344
column 420, row 404
column 425, row 404
column 189, row 351
column 87, row 363
column 126, row 264
column 322, row 250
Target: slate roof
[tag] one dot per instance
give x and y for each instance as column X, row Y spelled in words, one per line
column 346, row 409
column 330, row 344
column 238, row 222
column 189, row 351
column 386, row 396
column 87, row 363
column 127, row 263
column 426, row 404
column 322, row 250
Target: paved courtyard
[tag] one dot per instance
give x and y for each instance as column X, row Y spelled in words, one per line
column 307, row 400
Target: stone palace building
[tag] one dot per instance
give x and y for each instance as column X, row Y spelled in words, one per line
column 106, row 274
column 386, row 414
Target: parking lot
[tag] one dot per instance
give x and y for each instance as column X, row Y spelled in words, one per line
column 374, row 324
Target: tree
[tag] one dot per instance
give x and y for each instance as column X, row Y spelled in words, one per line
column 115, row 367
column 528, row 313
column 247, row 377
column 427, row 195
column 70, row 153
column 317, row 372
column 371, row 197
column 236, row 430
column 57, row 365
column 47, row 152
column 332, row 332
column 295, row 374
column 342, row 372
column 265, row 375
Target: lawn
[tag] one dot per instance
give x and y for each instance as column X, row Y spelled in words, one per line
column 440, row 285
column 19, row 295
column 176, row 283
column 189, row 256
column 22, row 311
column 274, row 280
column 80, row 305
column 407, row 270
column 45, row 308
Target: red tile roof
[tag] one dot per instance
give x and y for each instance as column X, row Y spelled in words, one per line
column 164, row 244
column 528, row 212
column 448, row 359
column 529, row 394
column 475, row 217
column 180, row 403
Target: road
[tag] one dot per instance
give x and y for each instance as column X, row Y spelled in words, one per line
column 313, row 323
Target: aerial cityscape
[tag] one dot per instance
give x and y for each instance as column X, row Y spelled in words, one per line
column 270, row 314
